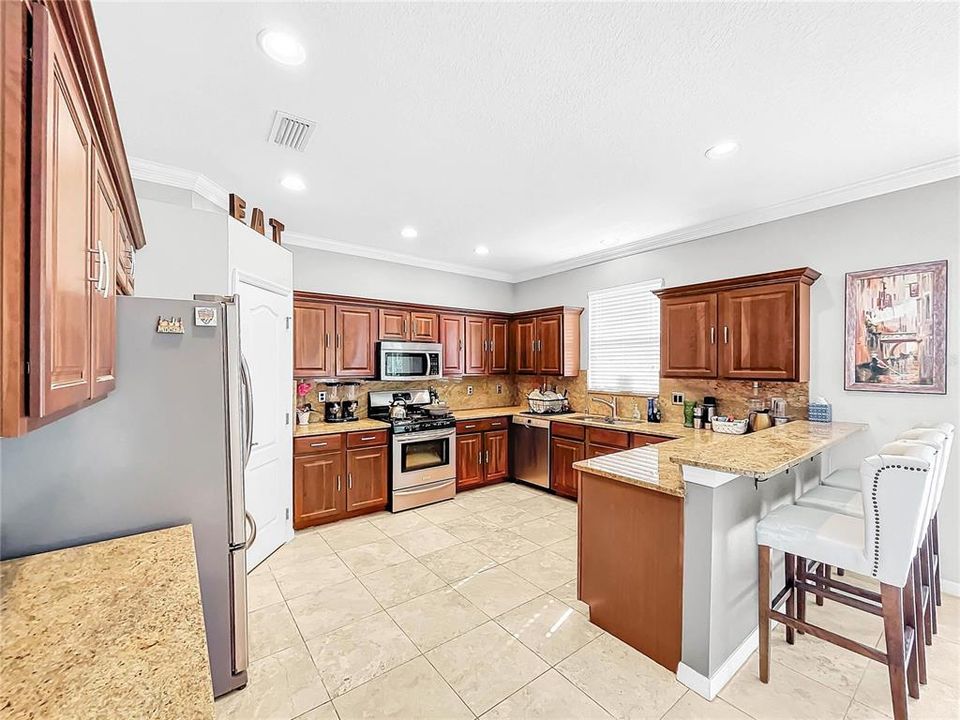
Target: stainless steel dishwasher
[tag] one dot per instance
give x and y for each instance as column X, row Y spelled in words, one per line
column 530, row 450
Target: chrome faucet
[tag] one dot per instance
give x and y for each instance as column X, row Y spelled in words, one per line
column 612, row 404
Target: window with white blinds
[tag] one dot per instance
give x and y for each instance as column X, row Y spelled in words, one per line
column 625, row 339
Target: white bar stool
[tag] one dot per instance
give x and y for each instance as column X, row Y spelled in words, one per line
column 881, row 544
column 850, row 502
column 934, row 531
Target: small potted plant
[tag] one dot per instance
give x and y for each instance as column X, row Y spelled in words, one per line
column 303, row 408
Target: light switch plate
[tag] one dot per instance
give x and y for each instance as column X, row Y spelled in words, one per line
column 469, row 389
column 677, row 398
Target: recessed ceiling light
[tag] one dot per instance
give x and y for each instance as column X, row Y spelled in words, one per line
column 722, row 150
column 481, row 250
column 408, row 232
column 283, row 48
column 293, row 182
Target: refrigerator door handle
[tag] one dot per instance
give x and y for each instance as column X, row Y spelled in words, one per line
column 247, row 409
column 252, row 537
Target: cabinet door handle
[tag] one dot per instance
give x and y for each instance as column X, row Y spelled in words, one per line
column 480, row 457
column 486, row 458
column 403, row 327
column 713, row 336
column 105, row 259
column 98, row 251
column 366, row 438
column 326, row 340
column 459, row 345
column 469, row 427
column 349, row 481
column 338, row 483
column 726, row 334
column 321, row 444
column 339, row 340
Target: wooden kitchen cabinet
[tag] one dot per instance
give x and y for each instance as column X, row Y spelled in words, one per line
column 469, row 460
column 525, row 346
column 104, row 242
column 749, row 328
column 69, row 216
column 452, row 339
column 475, row 345
column 483, row 454
column 496, row 455
column 758, row 332
column 318, row 488
column 339, row 475
column 688, row 336
column 313, row 339
column 424, row 326
column 497, row 340
column 564, row 452
column 126, row 259
column 366, row 478
column 394, row 324
column 356, row 341
column 547, row 343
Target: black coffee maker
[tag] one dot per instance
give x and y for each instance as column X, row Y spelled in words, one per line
column 341, row 402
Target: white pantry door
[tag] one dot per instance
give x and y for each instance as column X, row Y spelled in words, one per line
column 266, row 341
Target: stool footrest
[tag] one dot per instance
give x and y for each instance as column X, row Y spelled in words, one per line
column 828, row 594
column 832, row 637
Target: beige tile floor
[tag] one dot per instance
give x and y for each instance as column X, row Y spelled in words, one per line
column 468, row 609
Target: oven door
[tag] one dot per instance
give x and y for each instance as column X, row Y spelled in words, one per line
column 424, row 457
column 409, row 361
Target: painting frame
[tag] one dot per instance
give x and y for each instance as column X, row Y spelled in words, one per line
column 874, row 375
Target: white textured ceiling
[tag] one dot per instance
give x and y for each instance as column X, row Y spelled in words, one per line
column 545, row 131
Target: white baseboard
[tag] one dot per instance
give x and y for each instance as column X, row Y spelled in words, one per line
column 950, row 587
column 709, row 687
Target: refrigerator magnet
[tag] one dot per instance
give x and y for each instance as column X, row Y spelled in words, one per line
column 170, row 325
column 205, row 316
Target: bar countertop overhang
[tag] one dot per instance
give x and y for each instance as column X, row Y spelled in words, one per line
column 759, row 455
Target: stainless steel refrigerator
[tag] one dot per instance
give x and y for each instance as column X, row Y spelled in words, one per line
column 166, row 447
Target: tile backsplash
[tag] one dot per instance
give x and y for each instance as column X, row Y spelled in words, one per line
column 732, row 395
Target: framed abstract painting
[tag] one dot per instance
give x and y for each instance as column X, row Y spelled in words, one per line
column 896, row 329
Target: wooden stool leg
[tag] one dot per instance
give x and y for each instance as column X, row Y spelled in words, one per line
column 935, row 552
column 790, row 572
column 923, row 566
column 824, row 572
column 763, row 614
column 910, row 621
column 801, row 565
column 921, row 615
column 892, row 602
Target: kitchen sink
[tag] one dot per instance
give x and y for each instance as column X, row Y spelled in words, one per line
column 606, row 419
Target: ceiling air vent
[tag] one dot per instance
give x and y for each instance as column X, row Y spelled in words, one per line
column 290, row 131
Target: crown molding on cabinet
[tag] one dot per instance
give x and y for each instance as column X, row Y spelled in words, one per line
column 172, row 176
column 150, row 171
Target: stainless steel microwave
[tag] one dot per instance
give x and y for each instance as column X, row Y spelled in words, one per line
column 410, row 360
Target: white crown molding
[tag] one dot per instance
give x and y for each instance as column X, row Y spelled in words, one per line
column 150, row 171
column 911, row 177
column 335, row 246
column 172, row 176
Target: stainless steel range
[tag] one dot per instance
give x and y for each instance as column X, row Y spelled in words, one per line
column 423, row 445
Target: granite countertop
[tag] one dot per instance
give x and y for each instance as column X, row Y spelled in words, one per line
column 479, row 413
column 760, row 455
column 664, row 429
column 769, row 452
column 325, row 428
column 108, row 630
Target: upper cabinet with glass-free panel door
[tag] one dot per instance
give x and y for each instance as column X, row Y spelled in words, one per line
column 314, row 338
column 755, row 327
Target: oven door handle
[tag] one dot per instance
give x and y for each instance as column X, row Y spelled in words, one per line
column 424, row 435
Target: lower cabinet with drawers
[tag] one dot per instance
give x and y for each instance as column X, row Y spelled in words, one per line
column 339, row 476
column 571, row 442
column 482, row 452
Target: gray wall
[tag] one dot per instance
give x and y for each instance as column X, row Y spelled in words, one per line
column 326, row 272
column 914, row 225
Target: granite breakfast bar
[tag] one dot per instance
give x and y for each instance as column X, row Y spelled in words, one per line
column 667, row 553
